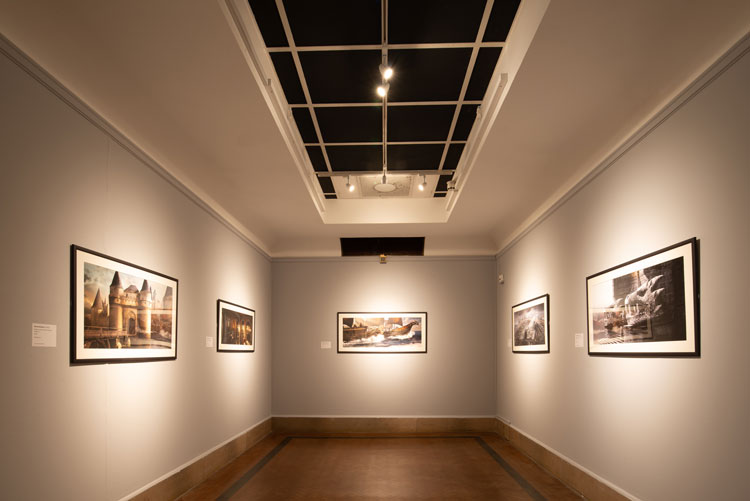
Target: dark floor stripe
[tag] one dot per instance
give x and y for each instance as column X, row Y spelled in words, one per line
column 227, row 494
column 511, row 471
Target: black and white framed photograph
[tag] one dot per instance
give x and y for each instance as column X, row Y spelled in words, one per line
column 382, row 332
column 120, row 312
column 647, row 306
column 531, row 325
column 235, row 327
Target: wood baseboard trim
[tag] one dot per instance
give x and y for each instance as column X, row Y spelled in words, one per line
column 384, row 424
column 574, row 476
column 194, row 473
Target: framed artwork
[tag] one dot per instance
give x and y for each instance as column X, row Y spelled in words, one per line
column 235, row 327
column 120, row 312
column 647, row 306
column 531, row 325
column 382, row 332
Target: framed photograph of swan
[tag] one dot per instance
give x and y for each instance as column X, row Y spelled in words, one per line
column 531, row 325
column 382, row 332
column 647, row 306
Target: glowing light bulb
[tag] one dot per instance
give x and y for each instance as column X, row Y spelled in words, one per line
column 349, row 185
column 381, row 91
column 421, row 186
column 386, row 71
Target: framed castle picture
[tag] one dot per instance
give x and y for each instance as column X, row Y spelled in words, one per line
column 120, row 312
column 647, row 306
column 382, row 332
column 235, row 327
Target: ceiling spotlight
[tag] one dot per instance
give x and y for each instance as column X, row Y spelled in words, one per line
column 386, row 71
column 423, row 184
column 385, row 186
column 349, row 185
column 383, row 90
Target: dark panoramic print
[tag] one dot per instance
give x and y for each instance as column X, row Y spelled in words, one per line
column 528, row 326
column 125, row 311
column 381, row 331
column 647, row 305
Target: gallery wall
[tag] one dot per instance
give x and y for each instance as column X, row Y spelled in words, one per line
column 103, row 431
column 456, row 377
column 656, row 428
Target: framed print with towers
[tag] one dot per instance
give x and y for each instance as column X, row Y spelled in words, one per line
column 120, row 312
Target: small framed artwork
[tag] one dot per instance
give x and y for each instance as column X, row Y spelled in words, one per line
column 235, row 327
column 531, row 325
column 120, row 312
column 647, row 306
column 382, row 332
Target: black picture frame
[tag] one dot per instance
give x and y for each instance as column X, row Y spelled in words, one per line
column 120, row 311
column 381, row 332
column 648, row 306
column 530, row 325
column 234, row 325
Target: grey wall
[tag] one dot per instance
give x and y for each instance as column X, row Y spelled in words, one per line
column 454, row 378
column 658, row 428
column 102, row 431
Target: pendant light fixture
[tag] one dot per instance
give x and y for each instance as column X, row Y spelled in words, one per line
column 385, row 74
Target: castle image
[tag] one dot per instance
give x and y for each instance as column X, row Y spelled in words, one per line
column 130, row 313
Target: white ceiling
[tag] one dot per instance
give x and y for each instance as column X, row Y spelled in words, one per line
column 175, row 81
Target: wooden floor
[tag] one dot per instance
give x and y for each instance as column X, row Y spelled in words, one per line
column 445, row 466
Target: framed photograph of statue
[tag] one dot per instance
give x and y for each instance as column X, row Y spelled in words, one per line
column 647, row 306
column 382, row 332
column 531, row 325
column 235, row 327
column 120, row 312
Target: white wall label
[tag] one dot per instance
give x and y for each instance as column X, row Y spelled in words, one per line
column 579, row 340
column 209, row 342
column 43, row 335
column 325, row 345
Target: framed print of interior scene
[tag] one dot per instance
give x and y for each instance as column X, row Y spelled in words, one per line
column 235, row 327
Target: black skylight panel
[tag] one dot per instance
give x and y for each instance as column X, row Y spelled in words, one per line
column 434, row 21
column 326, row 54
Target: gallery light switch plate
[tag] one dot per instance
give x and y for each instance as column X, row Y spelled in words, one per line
column 325, row 345
column 579, row 340
column 43, row 335
column 209, row 342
